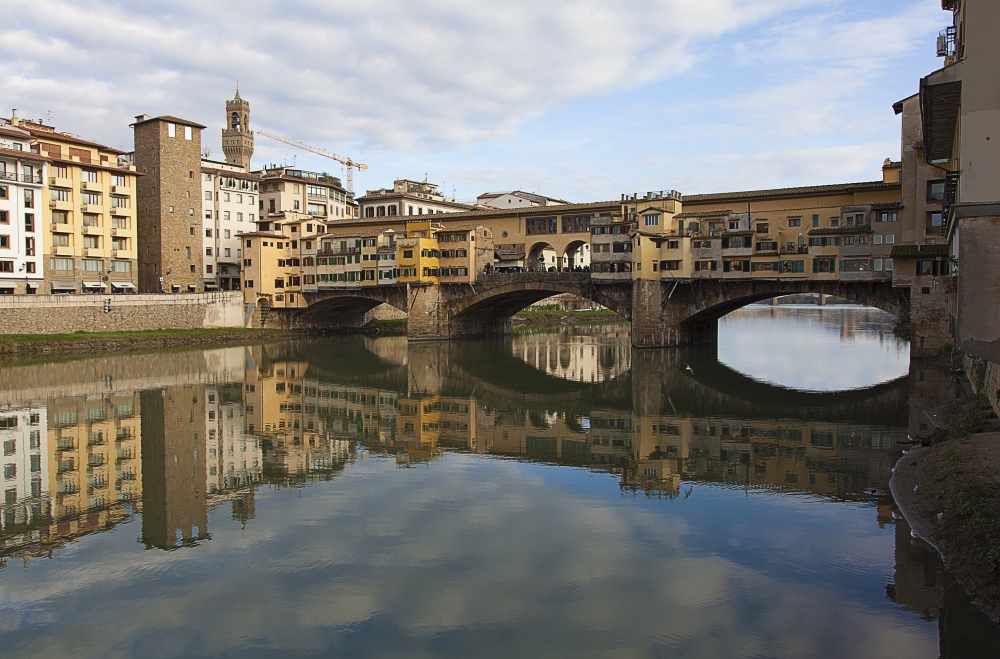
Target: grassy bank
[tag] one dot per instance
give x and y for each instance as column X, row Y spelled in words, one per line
column 950, row 492
column 27, row 346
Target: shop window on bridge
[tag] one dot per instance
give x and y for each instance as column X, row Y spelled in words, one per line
column 763, row 266
column 934, row 268
column 856, row 265
column 576, row 223
column 452, row 237
column 824, row 241
column 762, row 228
column 537, row 226
column 735, row 242
column 767, row 246
column 706, row 266
column 888, row 216
column 824, row 265
column 736, row 266
column 619, row 248
column 670, row 265
column 821, row 438
column 793, row 266
column 701, row 244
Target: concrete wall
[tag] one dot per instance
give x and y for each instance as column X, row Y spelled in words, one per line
column 65, row 314
column 985, row 378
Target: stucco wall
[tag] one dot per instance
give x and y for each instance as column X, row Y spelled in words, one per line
column 64, row 314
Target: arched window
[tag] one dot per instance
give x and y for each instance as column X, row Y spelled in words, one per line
column 235, row 121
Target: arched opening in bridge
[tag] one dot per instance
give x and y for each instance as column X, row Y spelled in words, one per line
column 813, row 342
column 577, row 255
column 541, row 257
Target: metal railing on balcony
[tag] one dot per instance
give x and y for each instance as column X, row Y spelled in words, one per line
column 8, row 176
column 34, row 178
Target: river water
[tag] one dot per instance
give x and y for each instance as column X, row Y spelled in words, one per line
column 552, row 494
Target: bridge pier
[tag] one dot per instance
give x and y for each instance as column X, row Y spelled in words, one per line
column 660, row 312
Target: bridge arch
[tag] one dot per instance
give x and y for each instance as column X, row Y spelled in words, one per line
column 576, row 254
column 339, row 308
column 541, row 256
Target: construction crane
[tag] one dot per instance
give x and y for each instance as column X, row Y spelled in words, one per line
column 345, row 161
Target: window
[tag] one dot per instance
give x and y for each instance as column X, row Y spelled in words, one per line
column 935, row 190
column 91, row 198
column 60, row 264
column 834, row 221
column 208, row 233
column 208, row 194
column 815, row 220
column 6, row 266
column 855, row 265
column 92, row 265
column 825, row 241
column 700, row 266
column 208, row 251
column 59, row 195
column 225, row 233
column 935, row 219
column 187, row 133
column 121, row 266
column 60, row 171
column 651, row 220
column 824, row 265
column 862, row 240
column 767, row 246
column 793, row 266
column 4, row 242
column 187, row 253
column 877, row 239
column 171, row 130
column 794, row 221
column 734, row 225
column 888, row 216
column 762, row 228
column 60, row 240
column 888, row 264
column 29, row 221
column 407, row 253
column 4, row 217
column 539, row 225
column 890, row 239
column 735, row 266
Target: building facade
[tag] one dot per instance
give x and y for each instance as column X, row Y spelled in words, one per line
column 229, row 203
column 319, row 195
column 409, row 198
column 86, row 219
column 22, row 186
column 171, row 229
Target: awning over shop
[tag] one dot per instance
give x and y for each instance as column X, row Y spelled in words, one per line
column 94, row 284
column 939, row 107
column 64, row 285
column 122, row 284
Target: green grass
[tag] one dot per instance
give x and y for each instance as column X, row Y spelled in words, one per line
column 966, row 416
column 146, row 334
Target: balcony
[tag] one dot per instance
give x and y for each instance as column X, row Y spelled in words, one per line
column 121, row 189
column 32, row 178
column 62, row 250
column 119, row 210
column 93, row 251
column 91, row 208
column 62, row 228
column 91, row 186
column 93, row 231
column 8, row 176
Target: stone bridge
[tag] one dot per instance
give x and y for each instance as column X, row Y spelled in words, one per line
column 662, row 313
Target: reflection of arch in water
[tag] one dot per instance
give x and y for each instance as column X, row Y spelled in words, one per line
column 576, row 355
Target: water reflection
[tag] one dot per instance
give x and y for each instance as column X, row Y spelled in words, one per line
column 196, row 449
column 814, row 348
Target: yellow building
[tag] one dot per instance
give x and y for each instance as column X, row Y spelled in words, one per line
column 88, row 214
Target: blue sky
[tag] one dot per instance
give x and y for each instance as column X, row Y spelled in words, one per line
column 581, row 100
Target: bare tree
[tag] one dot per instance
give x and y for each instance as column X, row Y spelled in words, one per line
column 206, row 152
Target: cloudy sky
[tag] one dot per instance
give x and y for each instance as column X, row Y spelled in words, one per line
column 583, row 100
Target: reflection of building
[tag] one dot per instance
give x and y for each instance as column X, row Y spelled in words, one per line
column 581, row 356
column 173, row 466
column 26, row 498
column 234, row 459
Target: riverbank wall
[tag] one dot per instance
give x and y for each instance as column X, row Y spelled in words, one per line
column 66, row 314
column 985, row 379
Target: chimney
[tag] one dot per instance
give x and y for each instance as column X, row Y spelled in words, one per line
column 139, row 118
column 13, row 117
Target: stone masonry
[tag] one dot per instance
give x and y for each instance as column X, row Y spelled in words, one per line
column 169, row 204
column 65, row 314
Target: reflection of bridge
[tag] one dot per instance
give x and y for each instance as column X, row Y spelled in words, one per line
column 655, row 381
column 665, row 312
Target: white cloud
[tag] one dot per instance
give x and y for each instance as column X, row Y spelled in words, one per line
column 394, row 73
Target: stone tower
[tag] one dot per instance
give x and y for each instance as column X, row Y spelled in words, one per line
column 237, row 138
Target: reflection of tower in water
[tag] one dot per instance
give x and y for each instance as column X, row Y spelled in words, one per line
column 175, row 511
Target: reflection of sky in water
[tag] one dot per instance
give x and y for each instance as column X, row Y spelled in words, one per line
column 814, row 348
column 473, row 556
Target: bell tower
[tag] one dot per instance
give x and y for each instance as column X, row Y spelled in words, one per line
column 237, row 138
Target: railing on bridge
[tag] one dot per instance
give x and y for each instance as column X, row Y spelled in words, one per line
column 502, row 277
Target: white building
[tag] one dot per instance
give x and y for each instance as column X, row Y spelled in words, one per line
column 25, row 467
column 234, row 459
column 516, row 199
column 319, row 195
column 229, row 203
column 22, row 181
column 408, row 198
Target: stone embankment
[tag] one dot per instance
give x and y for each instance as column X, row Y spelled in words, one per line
column 949, row 494
column 66, row 314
